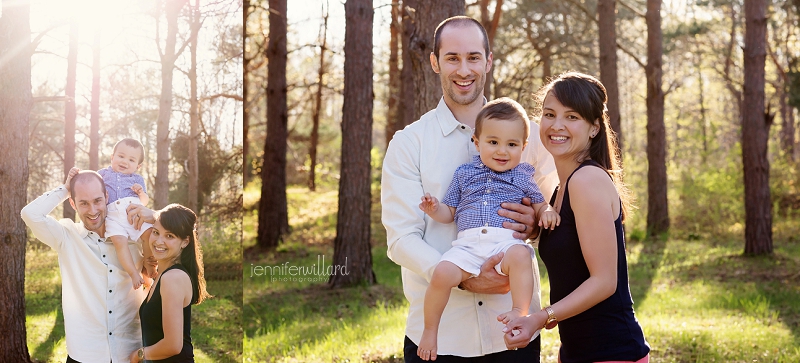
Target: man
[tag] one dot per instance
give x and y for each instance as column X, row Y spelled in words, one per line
column 100, row 307
column 421, row 159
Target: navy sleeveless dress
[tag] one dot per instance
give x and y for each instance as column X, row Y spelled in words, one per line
column 607, row 331
column 153, row 330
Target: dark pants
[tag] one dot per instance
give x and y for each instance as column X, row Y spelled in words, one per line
column 529, row 354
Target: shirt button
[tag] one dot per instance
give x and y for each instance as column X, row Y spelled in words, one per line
column 490, row 179
column 480, row 303
column 99, row 240
column 485, row 202
column 109, row 333
column 109, row 311
column 104, row 255
column 484, row 231
column 463, row 127
column 488, row 191
column 110, row 271
column 109, row 290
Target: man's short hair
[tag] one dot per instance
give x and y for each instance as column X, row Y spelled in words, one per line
column 458, row 21
column 84, row 176
column 505, row 109
column 132, row 143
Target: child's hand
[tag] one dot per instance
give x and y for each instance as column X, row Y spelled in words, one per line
column 136, row 188
column 71, row 174
column 549, row 219
column 429, row 204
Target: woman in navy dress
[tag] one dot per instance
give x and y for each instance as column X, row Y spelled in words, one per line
column 166, row 313
column 585, row 254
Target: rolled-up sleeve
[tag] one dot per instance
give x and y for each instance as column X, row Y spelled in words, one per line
column 401, row 189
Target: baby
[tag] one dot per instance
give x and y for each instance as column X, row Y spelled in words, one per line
column 124, row 188
column 472, row 201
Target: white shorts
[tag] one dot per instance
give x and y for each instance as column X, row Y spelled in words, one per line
column 475, row 245
column 117, row 219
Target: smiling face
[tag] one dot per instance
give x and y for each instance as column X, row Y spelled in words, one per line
column 564, row 132
column 125, row 159
column 89, row 200
column 462, row 64
column 501, row 143
column 165, row 244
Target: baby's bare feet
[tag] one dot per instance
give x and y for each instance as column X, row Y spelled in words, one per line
column 427, row 345
column 510, row 315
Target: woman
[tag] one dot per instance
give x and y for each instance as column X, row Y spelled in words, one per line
column 585, row 254
column 166, row 313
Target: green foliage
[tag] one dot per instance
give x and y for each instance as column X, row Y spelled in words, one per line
column 213, row 164
column 710, row 201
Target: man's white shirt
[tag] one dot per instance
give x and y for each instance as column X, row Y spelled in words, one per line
column 422, row 158
column 101, row 309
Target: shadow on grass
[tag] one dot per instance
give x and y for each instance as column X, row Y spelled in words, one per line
column 763, row 287
column 46, row 349
column 642, row 272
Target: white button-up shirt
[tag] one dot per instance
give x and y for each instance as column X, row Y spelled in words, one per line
column 422, row 158
column 101, row 316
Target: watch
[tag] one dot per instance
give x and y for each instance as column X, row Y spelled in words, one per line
column 140, row 353
column 551, row 318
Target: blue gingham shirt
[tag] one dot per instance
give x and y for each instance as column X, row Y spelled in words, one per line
column 477, row 192
column 119, row 185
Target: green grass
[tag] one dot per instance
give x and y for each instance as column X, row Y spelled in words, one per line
column 697, row 298
column 216, row 323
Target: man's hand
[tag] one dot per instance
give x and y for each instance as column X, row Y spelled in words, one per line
column 523, row 214
column 489, row 281
column 139, row 215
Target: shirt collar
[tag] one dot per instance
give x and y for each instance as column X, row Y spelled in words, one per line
column 447, row 122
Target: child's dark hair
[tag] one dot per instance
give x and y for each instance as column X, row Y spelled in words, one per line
column 587, row 96
column 181, row 221
column 132, row 143
column 504, row 109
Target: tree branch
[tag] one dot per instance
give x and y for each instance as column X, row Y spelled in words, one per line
column 223, row 95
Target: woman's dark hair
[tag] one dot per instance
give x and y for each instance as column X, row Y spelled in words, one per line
column 181, row 221
column 587, row 96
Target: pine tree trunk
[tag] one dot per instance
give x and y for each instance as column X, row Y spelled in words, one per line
column 393, row 119
column 246, row 169
column 755, row 133
column 351, row 247
column 70, row 113
column 407, row 88
column 490, row 24
column 606, row 29
column 168, row 57
column 428, row 15
column 273, row 217
column 314, row 142
column 94, row 127
column 15, row 106
column 657, row 207
column 194, row 112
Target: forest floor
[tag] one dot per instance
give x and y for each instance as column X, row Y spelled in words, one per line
column 698, row 299
column 216, row 323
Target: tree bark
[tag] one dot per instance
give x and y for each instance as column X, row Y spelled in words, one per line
column 490, row 24
column 351, row 247
column 427, row 86
column 273, row 216
column 94, row 127
column 194, row 112
column 394, row 121
column 246, row 169
column 657, row 207
column 407, row 105
column 70, row 113
column 15, row 106
column 755, row 133
column 312, row 148
column 168, row 57
column 607, row 34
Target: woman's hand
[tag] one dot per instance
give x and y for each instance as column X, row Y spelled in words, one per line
column 518, row 332
column 134, row 357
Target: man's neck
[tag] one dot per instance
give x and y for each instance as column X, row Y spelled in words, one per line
column 466, row 114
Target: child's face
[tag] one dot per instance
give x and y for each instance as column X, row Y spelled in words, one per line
column 501, row 143
column 125, row 159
